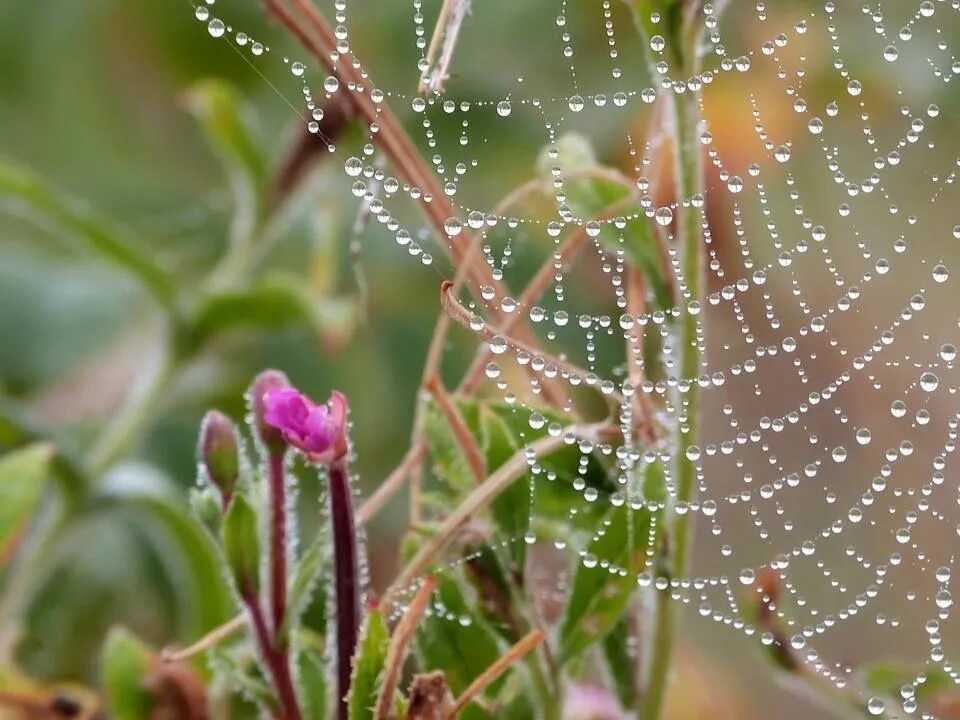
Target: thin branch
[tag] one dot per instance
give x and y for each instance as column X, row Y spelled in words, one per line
column 319, row 40
column 399, row 643
column 480, row 498
column 463, row 316
column 445, row 34
column 537, row 286
column 208, row 641
column 475, row 457
column 523, row 646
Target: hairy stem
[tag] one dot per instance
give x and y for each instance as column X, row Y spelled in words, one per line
column 689, row 182
column 347, row 578
column 277, row 662
column 278, row 543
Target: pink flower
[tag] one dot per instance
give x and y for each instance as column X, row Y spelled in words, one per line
column 317, row 430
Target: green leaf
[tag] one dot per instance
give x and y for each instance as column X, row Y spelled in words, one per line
column 185, row 548
column 305, row 578
column 605, row 579
column 23, row 477
column 485, row 573
column 449, row 460
column 588, row 197
column 622, row 663
column 241, row 543
column 48, row 208
column 242, row 677
column 271, row 304
column 124, row 665
column 367, row 666
column 512, row 508
column 312, row 684
column 220, row 111
column 886, row 678
column 17, row 431
column 461, row 651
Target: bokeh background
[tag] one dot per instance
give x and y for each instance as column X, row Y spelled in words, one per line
column 99, row 98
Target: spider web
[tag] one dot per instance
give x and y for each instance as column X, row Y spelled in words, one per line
column 828, row 444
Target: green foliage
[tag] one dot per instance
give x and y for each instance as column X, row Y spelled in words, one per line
column 512, row 508
column 453, row 639
column 272, row 304
column 225, row 122
column 242, row 675
column 621, row 662
column 241, row 544
column 124, row 664
column 49, row 208
column 306, row 576
column 887, row 678
column 312, row 676
column 368, row 665
column 606, row 579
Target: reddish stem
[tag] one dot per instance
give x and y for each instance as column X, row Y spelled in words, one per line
column 276, row 659
column 347, row 578
column 278, row 540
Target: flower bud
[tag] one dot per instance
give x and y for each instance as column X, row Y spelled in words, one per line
column 220, row 452
column 266, row 382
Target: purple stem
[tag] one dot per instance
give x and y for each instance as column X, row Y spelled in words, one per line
column 278, row 540
column 347, row 578
column 277, row 660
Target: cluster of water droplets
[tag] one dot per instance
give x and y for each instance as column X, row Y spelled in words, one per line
column 828, row 330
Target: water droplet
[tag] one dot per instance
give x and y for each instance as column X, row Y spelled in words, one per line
column 216, row 28
column 664, row 216
column 929, row 381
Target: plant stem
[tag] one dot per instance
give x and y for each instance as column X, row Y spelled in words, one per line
column 347, row 578
column 278, row 543
column 276, row 660
column 689, row 182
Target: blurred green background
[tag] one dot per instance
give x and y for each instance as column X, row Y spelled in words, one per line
column 96, row 96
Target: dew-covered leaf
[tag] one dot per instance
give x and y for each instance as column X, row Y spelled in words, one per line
column 512, row 507
column 601, row 591
column 449, row 459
